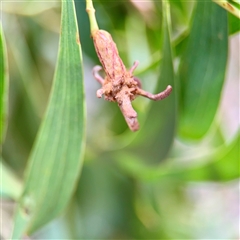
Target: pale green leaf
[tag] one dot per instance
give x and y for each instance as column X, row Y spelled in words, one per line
column 10, row 186
column 222, row 164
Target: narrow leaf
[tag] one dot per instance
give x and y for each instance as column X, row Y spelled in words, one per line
column 202, row 69
column 178, row 3
column 57, row 156
column 222, row 166
column 219, row 165
column 233, row 24
column 3, row 86
column 156, row 135
column 233, row 8
column 10, row 186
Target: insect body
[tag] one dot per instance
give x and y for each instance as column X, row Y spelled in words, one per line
column 119, row 84
column 108, row 55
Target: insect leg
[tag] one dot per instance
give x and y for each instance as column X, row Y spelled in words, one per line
column 129, row 114
column 139, row 84
column 96, row 74
column 99, row 93
column 155, row 97
column 135, row 64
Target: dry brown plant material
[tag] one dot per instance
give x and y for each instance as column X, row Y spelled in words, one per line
column 119, row 84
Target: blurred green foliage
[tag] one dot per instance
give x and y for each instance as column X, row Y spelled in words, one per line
column 4, row 87
column 170, row 180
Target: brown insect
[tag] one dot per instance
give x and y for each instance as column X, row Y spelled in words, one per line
column 119, row 84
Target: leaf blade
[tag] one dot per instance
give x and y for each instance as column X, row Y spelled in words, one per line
column 157, row 133
column 221, row 165
column 10, row 186
column 57, row 155
column 230, row 6
column 4, row 86
column 202, row 70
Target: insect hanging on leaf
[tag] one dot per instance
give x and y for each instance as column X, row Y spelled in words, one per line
column 119, row 84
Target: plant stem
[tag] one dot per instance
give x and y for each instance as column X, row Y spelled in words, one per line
column 91, row 14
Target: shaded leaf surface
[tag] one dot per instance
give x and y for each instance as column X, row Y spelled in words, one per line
column 155, row 136
column 202, row 69
column 3, row 86
column 56, row 158
column 220, row 165
column 233, row 24
column 10, row 187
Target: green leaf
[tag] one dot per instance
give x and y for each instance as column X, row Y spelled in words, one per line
column 233, row 6
column 219, row 165
column 233, row 24
column 155, row 137
column 3, row 86
column 29, row 8
column 178, row 3
column 222, row 166
column 10, row 186
column 26, row 65
column 202, row 69
column 57, row 156
column 111, row 198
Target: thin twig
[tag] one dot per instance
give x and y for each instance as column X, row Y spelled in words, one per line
column 91, row 14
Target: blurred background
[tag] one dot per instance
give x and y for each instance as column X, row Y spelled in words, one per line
column 183, row 193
